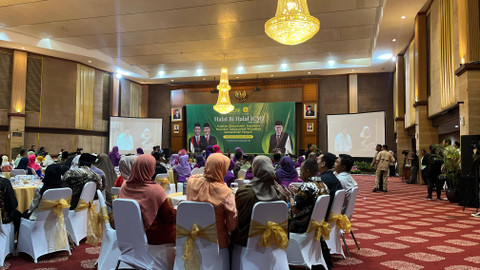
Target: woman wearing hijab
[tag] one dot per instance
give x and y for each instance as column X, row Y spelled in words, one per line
column 52, row 179
column 211, row 188
column 230, row 177
column 263, row 187
column 114, row 156
column 299, row 161
column 103, row 163
column 140, row 151
column 183, row 169
column 216, row 149
column 125, row 167
column 208, row 151
column 6, row 166
column 173, row 160
column 23, row 165
column 287, row 172
column 200, row 161
column 157, row 214
column 48, row 161
column 34, row 165
column 182, row 152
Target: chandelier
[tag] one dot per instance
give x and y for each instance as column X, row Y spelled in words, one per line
column 292, row 23
column 223, row 105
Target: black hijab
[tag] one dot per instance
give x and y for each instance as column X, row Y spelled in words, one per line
column 53, row 178
column 22, row 165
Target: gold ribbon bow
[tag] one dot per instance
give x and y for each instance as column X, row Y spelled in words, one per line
column 321, row 229
column 270, row 233
column 100, row 218
column 190, row 253
column 163, row 182
column 93, row 227
column 57, row 207
column 342, row 222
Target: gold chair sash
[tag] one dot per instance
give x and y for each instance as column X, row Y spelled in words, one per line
column 341, row 221
column 270, row 233
column 57, row 207
column 190, row 253
column 94, row 228
column 164, row 182
column 321, row 229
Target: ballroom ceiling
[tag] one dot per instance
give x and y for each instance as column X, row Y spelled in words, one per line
column 152, row 41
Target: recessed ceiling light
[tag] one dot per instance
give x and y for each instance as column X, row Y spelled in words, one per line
column 271, row 75
column 309, row 72
column 394, row 40
column 172, row 80
column 385, row 56
column 237, row 77
column 331, row 62
column 89, row 61
column 456, row 126
column 353, row 70
column 403, row 17
column 23, row 48
column 118, row 75
column 199, row 71
column 283, row 65
column 204, row 79
column 161, row 73
column 394, row 58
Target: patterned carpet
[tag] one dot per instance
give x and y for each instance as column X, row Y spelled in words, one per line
column 396, row 230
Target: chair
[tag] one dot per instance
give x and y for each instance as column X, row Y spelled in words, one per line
column 303, row 249
column 168, row 187
column 349, row 214
column 334, row 241
column 76, row 221
column 209, row 254
column 7, row 238
column 115, row 191
column 240, row 182
column 16, row 172
column 132, row 240
column 197, row 171
column 241, row 174
column 109, row 251
column 253, row 256
column 37, row 237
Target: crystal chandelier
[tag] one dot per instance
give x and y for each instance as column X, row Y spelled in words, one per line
column 223, row 105
column 292, row 23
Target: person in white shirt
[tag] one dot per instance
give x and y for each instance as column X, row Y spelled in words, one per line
column 342, row 168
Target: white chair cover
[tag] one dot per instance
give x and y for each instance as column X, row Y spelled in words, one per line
column 7, row 238
column 253, row 257
column 37, row 237
column 302, row 248
column 16, row 172
column 109, row 252
column 349, row 213
column 241, row 174
column 334, row 242
column 132, row 240
column 210, row 256
column 76, row 222
column 200, row 170
column 162, row 175
column 115, row 191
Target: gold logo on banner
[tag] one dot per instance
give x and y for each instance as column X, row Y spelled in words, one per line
column 241, row 95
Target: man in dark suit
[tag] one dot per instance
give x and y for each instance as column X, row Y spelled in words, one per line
column 309, row 111
column 194, row 141
column 207, row 139
column 280, row 140
column 325, row 166
column 177, row 115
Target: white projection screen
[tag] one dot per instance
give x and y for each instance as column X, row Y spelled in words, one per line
column 355, row 134
column 130, row 133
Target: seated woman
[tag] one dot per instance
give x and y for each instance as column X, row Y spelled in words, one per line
column 211, row 188
column 173, row 160
column 263, row 187
column 23, row 165
column 52, row 179
column 32, row 164
column 8, row 204
column 303, row 201
column 157, row 214
column 6, row 166
column 114, row 156
column 200, row 161
column 299, row 162
column 183, row 169
column 287, row 172
column 125, row 167
column 230, row 177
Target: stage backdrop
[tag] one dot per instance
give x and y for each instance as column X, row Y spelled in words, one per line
column 249, row 126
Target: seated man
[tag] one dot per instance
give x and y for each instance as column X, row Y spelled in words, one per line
column 325, row 165
column 342, row 168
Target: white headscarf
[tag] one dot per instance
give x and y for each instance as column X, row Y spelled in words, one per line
column 48, row 161
column 5, row 161
column 75, row 162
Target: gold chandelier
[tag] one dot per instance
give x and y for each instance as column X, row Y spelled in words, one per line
column 223, row 105
column 292, row 23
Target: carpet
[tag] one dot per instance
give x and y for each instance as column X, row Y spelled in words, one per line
column 395, row 230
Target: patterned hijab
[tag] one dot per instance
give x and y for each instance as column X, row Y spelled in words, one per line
column 125, row 166
column 263, row 183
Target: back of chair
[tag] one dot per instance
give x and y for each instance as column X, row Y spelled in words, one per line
column 337, row 203
column 162, row 175
column 200, row 213
column 88, row 192
column 241, row 174
column 351, row 203
column 115, row 191
column 198, row 171
column 54, row 194
column 263, row 212
column 102, row 204
column 320, row 208
column 16, row 172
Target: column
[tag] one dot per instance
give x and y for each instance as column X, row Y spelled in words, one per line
column 16, row 136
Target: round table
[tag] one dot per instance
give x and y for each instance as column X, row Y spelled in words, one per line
column 24, row 196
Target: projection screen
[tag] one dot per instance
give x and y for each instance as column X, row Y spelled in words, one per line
column 355, row 134
column 130, row 133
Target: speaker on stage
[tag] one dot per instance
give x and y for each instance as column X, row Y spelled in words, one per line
column 166, row 152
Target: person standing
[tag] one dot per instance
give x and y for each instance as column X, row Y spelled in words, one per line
column 378, row 148
column 433, row 170
column 413, row 168
column 391, row 164
column 383, row 160
column 423, row 166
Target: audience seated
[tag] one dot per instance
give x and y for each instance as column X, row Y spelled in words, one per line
column 200, row 161
column 23, row 165
column 77, row 178
column 22, row 154
column 276, row 160
column 159, row 168
column 157, row 214
column 140, row 151
column 103, row 163
column 173, row 160
column 230, row 177
column 263, row 187
column 211, row 188
column 114, row 156
column 52, row 179
column 342, row 168
column 287, row 172
column 183, row 169
column 32, row 164
column 125, row 167
column 48, row 161
column 8, row 204
column 325, row 165
column 6, row 166
column 299, row 161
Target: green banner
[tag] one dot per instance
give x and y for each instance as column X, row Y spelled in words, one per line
column 258, row 128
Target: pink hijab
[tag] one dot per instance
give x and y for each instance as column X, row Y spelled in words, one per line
column 32, row 163
column 149, row 195
column 216, row 149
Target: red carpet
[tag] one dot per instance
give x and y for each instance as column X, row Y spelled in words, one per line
column 396, row 230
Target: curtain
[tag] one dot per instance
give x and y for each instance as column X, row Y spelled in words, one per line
column 84, row 97
column 409, row 57
column 446, row 42
column 135, row 99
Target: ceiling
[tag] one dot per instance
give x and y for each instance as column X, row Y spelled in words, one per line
column 153, row 41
